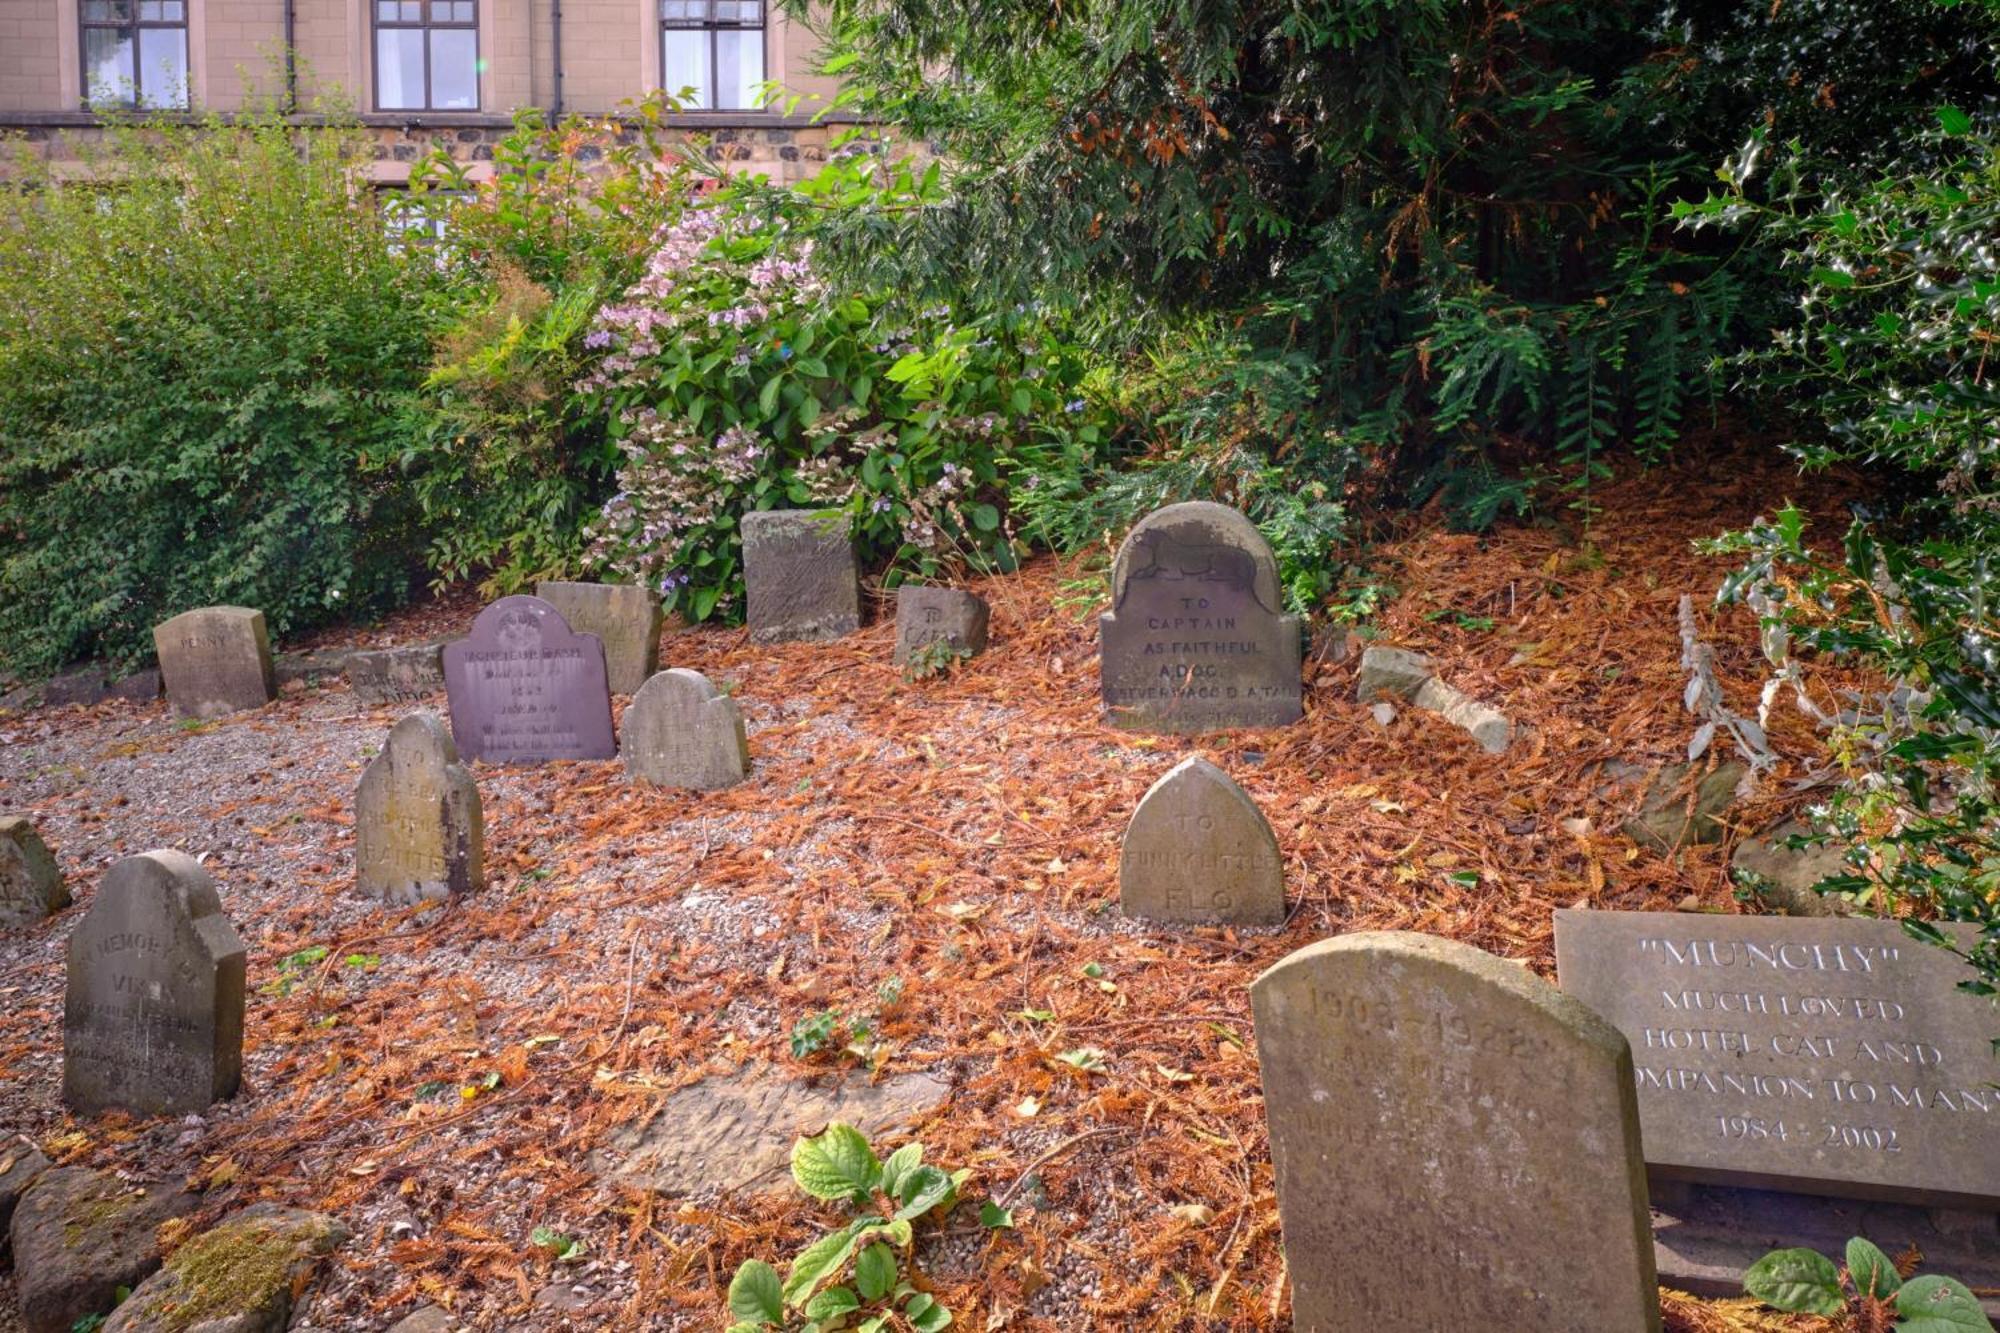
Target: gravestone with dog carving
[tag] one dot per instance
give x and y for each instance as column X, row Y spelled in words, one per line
column 1196, row 639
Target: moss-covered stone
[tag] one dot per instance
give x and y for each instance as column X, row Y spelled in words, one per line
column 78, row 1237
column 237, row 1278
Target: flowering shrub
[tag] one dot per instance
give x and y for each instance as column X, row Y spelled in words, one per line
column 734, row 377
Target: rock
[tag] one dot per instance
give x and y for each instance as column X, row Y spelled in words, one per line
column 1383, row 711
column 321, row 664
column 80, row 1235
column 799, row 575
column 1668, row 820
column 1784, row 878
column 1395, row 672
column 141, row 687
column 418, row 831
column 31, row 887
column 396, row 675
column 625, row 618
column 1489, row 727
column 1199, row 850
column 86, row 685
column 21, row 1165
column 216, row 661
column 735, row 1132
column 424, row 1319
column 682, row 732
column 239, row 1278
column 939, row 615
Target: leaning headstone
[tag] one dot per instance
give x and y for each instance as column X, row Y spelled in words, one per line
column 681, row 732
column 1198, row 849
column 216, row 661
column 624, row 615
column 799, row 575
column 418, row 835
column 1196, row 639
column 31, row 887
column 396, row 675
column 153, row 1013
column 1456, row 1143
column 525, row 688
column 952, row 616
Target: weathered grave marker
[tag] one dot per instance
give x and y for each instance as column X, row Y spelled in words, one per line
column 624, row 615
column 153, row 1013
column 31, row 887
column 216, row 660
column 1456, row 1143
column 1198, row 849
column 799, row 575
column 925, row 616
column 397, row 675
column 681, row 732
column 1196, row 639
column 418, row 833
column 524, row 688
column 1813, row 1055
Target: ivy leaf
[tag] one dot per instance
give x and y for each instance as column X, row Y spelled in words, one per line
column 1800, row 1281
column 875, row 1271
column 755, row 1295
column 1939, row 1305
column 837, row 1165
column 1873, row 1273
column 993, row 1215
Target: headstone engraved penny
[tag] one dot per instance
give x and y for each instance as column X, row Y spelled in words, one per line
column 216, row 661
column 1198, row 849
column 624, row 615
column 1813, row 1055
column 680, row 731
column 950, row 616
column 153, row 1012
column 1456, row 1144
column 397, row 675
column 31, row 886
column 1196, row 639
column 526, row 689
column 418, row 834
column 799, row 575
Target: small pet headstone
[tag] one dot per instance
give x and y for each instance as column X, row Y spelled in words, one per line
column 31, row 887
column 950, row 616
column 216, row 661
column 799, row 575
column 624, row 615
column 418, row 834
column 525, row 688
column 1199, row 850
column 681, row 732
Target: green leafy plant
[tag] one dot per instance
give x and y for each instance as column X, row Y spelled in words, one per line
column 934, row 659
column 1867, row 1292
column 858, row 1274
column 563, row 1249
column 292, row 969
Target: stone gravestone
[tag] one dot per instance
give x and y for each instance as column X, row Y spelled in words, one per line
column 1812, row 1055
column 216, row 661
column 525, row 689
column 624, row 615
column 938, row 615
column 1198, row 849
column 31, row 887
column 799, row 574
column 1456, row 1143
column 681, row 732
column 417, row 828
column 1195, row 639
column 397, row 675
column 153, row 1013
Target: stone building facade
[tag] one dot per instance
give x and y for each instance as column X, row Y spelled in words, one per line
column 420, row 72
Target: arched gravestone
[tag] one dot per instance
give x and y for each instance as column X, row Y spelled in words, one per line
column 524, row 688
column 1456, row 1143
column 681, row 732
column 31, row 885
column 418, row 833
column 1198, row 849
column 216, row 661
column 1195, row 639
column 153, row 1013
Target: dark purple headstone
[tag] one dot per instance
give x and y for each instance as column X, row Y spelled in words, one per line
column 524, row 688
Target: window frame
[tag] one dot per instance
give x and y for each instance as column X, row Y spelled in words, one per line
column 712, row 28
column 426, row 25
column 133, row 26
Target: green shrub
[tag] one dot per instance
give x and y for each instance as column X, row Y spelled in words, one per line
column 1868, row 1293
column 199, row 342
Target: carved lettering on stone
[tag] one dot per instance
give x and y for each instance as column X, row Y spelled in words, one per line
column 1199, row 850
column 624, row 615
column 525, row 689
column 925, row 616
column 216, row 661
column 681, row 732
column 418, row 833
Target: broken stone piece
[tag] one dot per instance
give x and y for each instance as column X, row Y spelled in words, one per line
column 79, row 1236
column 239, row 1278
column 1395, row 672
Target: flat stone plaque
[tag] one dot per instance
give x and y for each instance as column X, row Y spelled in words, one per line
column 1199, row 850
column 525, row 688
column 216, row 661
column 153, row 1013
column 624, row 615
column 397, row 675
column 799, row 575
column 1195, row 639
column 1811, row 1055
column 418, row 834
column 1456, row 1144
